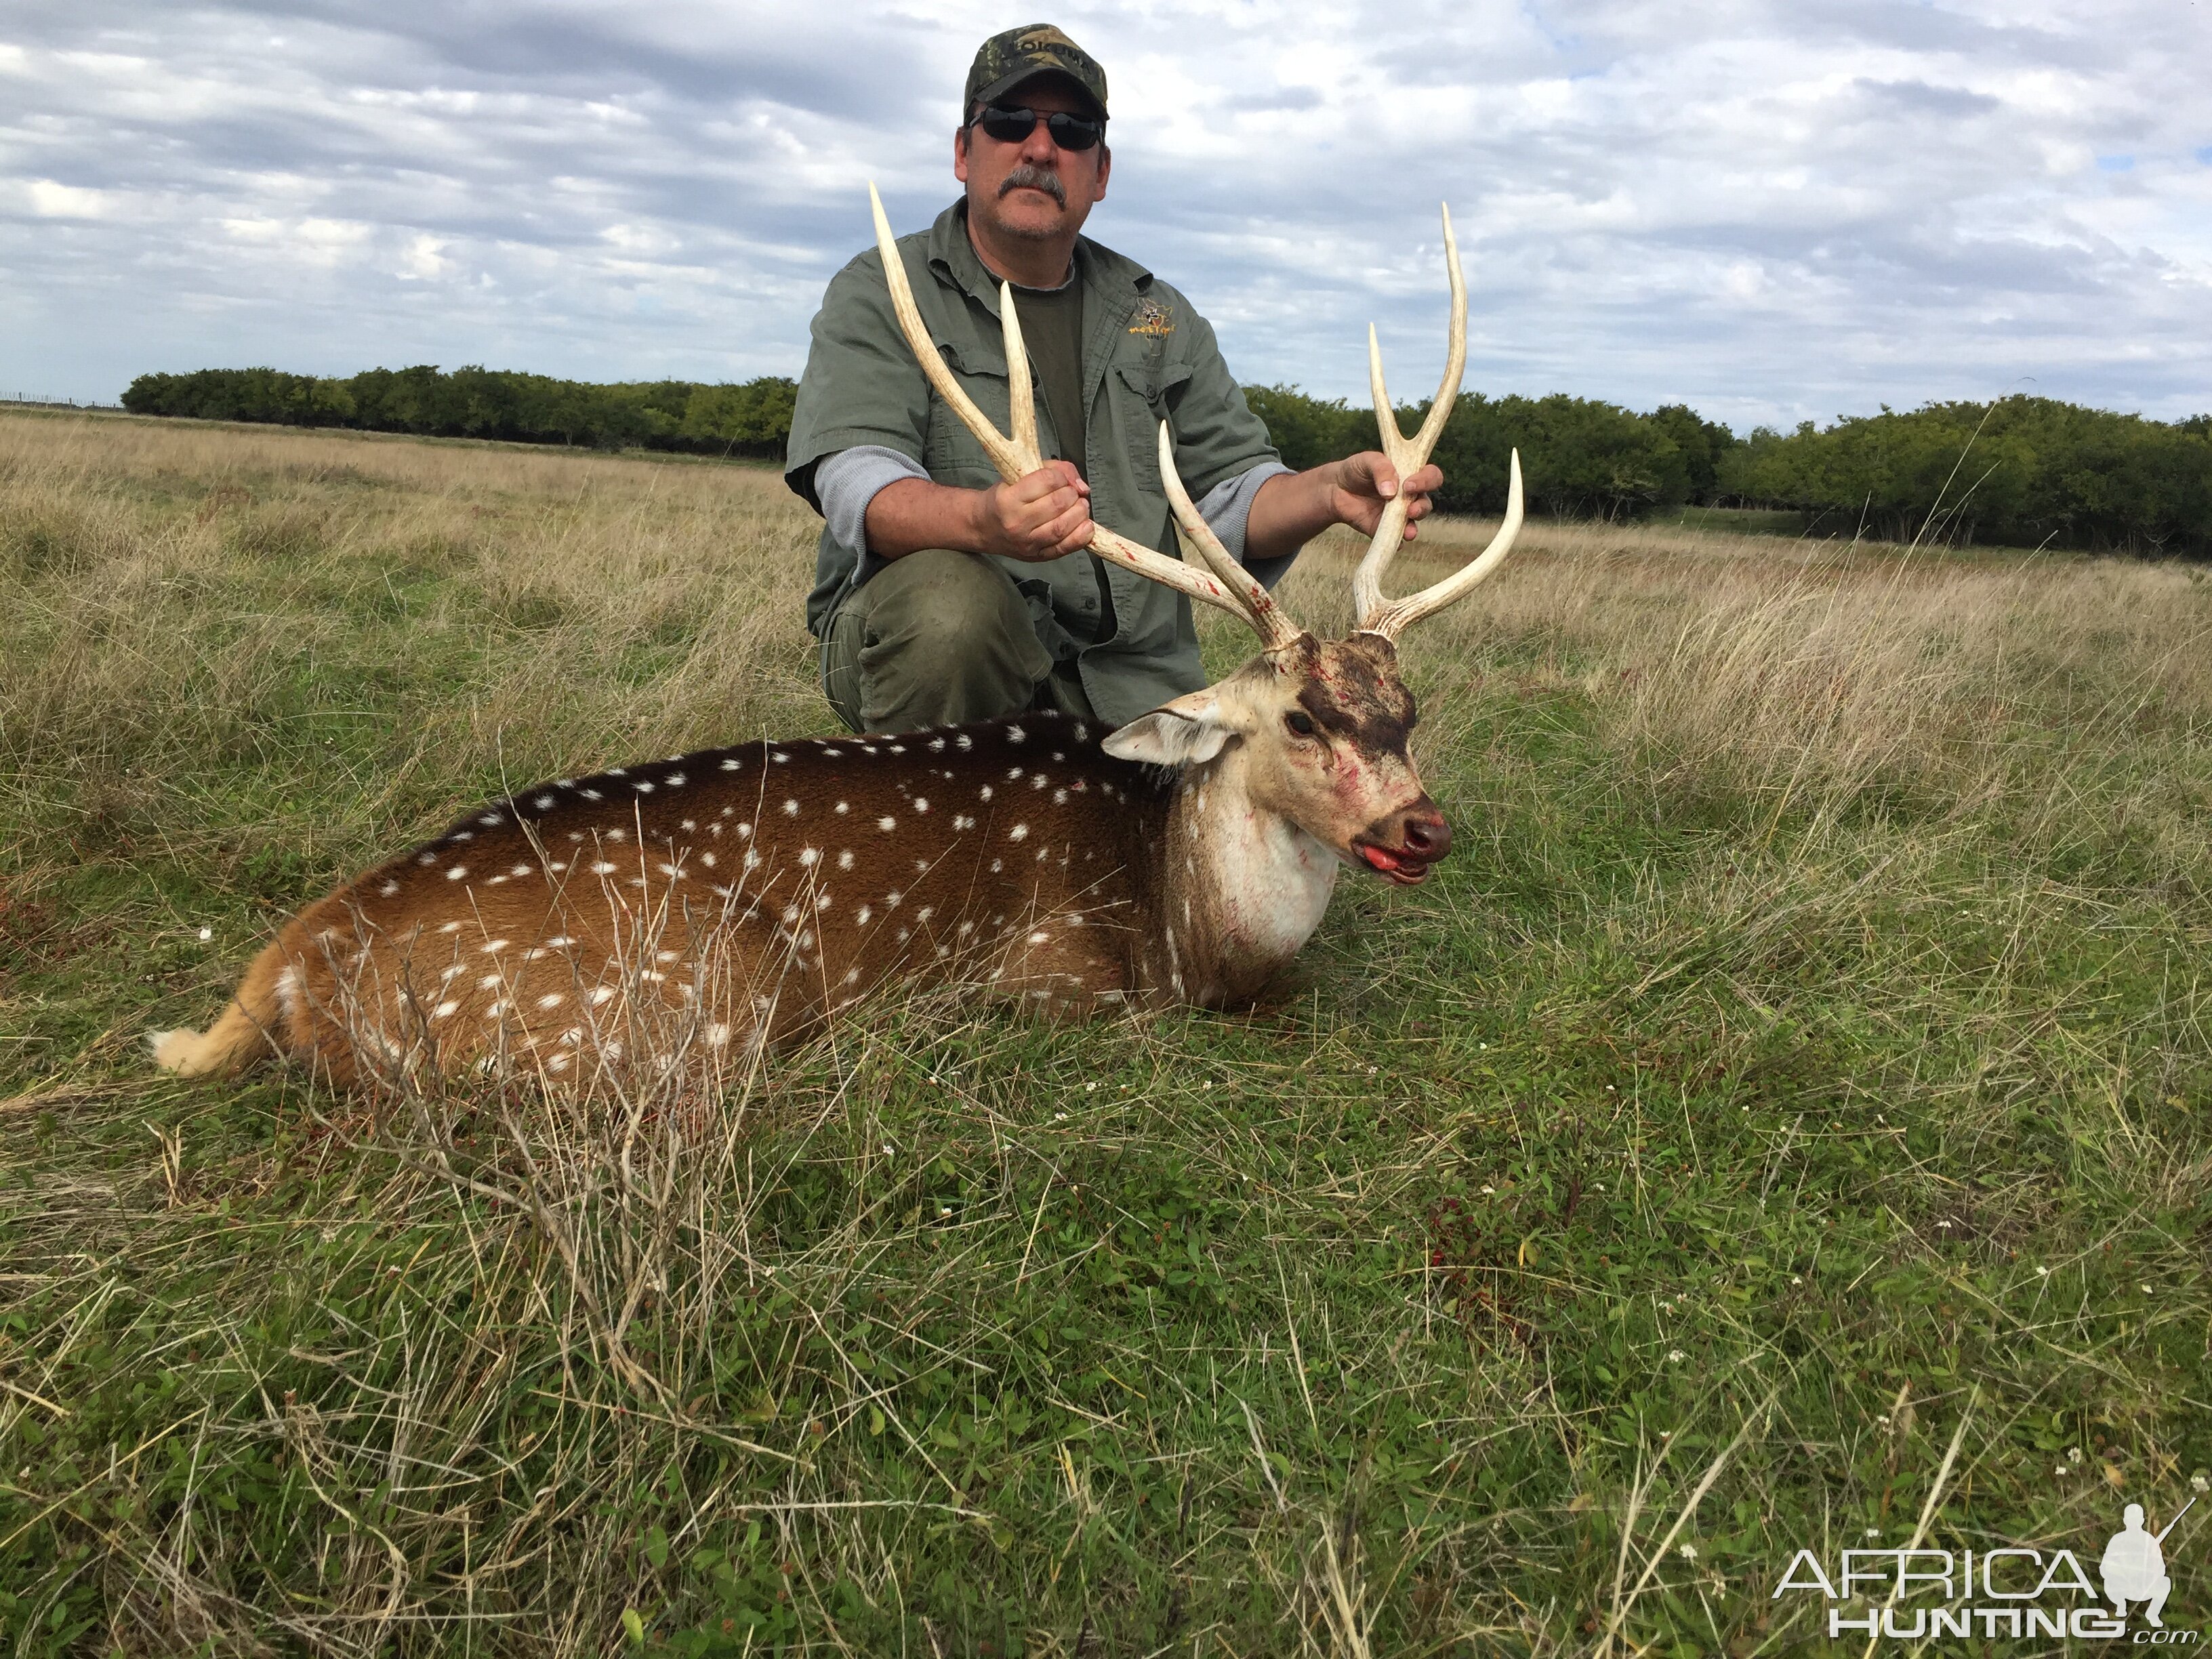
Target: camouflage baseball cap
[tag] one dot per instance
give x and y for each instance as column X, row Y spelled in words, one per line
column 1005, row 61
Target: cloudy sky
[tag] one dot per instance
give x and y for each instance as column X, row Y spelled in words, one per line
column 1774, row 211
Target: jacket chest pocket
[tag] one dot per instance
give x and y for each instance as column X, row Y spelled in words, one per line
column 950, row 454
column 1149, row 393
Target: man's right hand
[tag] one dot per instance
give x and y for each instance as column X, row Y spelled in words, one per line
column 1046, row 515
column 1042, row 516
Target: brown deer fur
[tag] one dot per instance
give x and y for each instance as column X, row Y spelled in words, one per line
column 744, row 893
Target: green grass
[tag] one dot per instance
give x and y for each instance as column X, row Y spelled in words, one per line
column 1798, row 1107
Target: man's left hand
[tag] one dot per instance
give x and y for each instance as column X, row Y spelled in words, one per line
column 1293, row 507
column 1365, row 483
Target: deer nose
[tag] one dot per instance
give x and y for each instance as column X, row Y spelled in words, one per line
column 1419, row 830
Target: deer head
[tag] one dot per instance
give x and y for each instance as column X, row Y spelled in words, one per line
column 1312, row 731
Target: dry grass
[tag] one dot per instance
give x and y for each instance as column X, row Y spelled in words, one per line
column 1800, row 1068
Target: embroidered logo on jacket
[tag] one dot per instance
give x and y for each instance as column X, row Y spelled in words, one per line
column 1151, row 317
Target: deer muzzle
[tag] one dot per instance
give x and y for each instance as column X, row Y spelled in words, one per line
column 1403, row 844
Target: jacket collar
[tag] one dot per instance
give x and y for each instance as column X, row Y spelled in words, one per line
column 1113, row 280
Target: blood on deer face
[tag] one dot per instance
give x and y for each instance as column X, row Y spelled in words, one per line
column 1314, row 732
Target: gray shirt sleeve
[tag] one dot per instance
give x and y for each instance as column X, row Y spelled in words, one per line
column 848, row 480
column 1228, row 509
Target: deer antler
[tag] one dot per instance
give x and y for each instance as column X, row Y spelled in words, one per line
column 1018, row 455
column 1375, row 614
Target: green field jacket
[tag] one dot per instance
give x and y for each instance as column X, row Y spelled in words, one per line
column 1147, row 357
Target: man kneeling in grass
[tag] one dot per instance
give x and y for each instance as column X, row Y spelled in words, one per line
column 943, row 595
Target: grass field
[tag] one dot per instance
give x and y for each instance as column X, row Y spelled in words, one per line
column 1799, row 1071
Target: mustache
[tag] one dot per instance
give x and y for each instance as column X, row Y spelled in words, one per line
column 1025, row 177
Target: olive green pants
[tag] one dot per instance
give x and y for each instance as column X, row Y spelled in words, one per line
column 939, row 638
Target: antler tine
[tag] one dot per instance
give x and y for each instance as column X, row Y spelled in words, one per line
column 1018, row 455
column 1269, row 620
column 1398, row 615
column 1186, row 578
column 1408, row 455
column 1014, row 457
column 1022, row 400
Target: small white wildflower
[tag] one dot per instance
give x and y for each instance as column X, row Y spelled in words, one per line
column 1794, row 1279
column 944, row 1210
column 2145, row 1289
column 1675, row 1356
column 1059, row 1117
column 2198, row 1483
column 1370, row 1071
column 1482, row 1045
column 1090, row 1087
column 1873, row 1532
column 2062, row 1470
column 2042, row 1272
column 206, row 933
column 1490, row 1190
column 1689, row 1552
column 1883, row 1418
column 887, row 1149
column 2073, row 1454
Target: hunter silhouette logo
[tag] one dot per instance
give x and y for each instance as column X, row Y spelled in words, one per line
column 2134, row 1566
column 2009, row 1592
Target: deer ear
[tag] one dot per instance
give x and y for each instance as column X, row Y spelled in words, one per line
column 1179, row 734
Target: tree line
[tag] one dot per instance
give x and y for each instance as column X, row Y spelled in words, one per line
column 749, row 418
column 2024, row 472
column 2020, row 471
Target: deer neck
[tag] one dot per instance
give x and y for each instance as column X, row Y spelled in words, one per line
column 1243, row 888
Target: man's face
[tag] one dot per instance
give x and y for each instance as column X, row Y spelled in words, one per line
column 1010, row 187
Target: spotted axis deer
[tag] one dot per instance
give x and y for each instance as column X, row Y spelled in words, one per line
column 735, row 897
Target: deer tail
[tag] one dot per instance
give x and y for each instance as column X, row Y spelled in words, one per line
column 250, row 1028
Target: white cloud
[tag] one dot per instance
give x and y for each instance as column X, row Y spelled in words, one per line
column 51, row 201
column 1772, row 209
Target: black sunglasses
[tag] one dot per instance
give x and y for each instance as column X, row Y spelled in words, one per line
column 1011, row 126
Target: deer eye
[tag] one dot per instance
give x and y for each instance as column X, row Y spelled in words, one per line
column 1301, row 724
